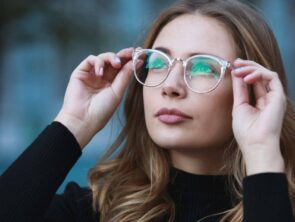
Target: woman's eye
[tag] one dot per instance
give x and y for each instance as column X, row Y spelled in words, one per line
column 202, row 69
column 156, row 63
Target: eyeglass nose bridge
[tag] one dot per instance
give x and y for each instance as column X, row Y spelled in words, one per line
column 175, row 60
column 182, row 61
column 172, row 64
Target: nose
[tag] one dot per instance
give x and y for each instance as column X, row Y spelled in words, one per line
column 174, row 86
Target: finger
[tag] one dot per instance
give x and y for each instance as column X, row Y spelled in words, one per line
column 87, row 64
column 259, row 89
column 110, row 58
column 259, row 74
column 241, row 62
column 240, row 91
column 125, row 52
column 121, row 80
column 270, row 78
column 244, row 70
column 125, row 55
column 97, row 63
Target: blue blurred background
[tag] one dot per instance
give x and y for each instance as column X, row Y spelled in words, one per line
column 41, row 42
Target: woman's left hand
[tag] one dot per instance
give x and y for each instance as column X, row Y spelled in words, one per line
column 257, row 128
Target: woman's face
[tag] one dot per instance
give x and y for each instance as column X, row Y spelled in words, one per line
column 209, row 122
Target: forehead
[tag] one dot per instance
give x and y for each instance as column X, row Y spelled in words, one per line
column 188, row 34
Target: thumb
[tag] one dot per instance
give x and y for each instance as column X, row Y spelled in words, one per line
column 121, row 80
column 240, row 91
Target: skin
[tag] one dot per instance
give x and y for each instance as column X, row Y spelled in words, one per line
column 195, row 145
column 97, row 84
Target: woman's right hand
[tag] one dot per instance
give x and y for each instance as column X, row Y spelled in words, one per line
column 95, row 90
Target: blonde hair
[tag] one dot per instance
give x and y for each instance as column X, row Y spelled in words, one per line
column 129, row 183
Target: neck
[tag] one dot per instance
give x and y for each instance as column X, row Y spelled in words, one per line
column 207, row 162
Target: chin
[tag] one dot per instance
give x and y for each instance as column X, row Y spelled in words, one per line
column 189, row 144
column 174, row 143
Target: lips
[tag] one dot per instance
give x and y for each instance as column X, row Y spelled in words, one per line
column 171, row 116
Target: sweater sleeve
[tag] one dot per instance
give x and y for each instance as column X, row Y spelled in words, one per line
column 74, row 204
column 266, row 198
column 28, row 186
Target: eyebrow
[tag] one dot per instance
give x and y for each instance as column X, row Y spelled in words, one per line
column 167, row 51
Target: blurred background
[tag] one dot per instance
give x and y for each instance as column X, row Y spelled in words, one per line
column 41, row 42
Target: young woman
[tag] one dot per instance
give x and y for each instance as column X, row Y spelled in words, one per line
column 209, row 133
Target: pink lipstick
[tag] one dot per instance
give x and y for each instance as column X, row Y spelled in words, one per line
column 171, row 116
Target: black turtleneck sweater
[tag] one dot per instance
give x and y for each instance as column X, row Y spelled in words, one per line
column 28, row 187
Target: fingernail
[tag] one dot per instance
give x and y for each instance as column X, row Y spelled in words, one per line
column 117, row 60
column 238, row 60
column 238, row 69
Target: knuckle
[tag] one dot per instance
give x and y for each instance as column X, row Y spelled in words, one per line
column 110, row 54
column 257, row 72
column 107, row 55
column 252, row 62
column 274, row 74
column 90, row 57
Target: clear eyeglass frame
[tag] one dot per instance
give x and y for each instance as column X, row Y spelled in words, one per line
column 223, row 64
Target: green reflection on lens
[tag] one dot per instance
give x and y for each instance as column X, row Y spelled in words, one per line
column 201, row 68
column 155, row 63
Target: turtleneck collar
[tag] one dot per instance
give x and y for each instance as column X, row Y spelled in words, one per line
column 197, row 196
column 197, row 183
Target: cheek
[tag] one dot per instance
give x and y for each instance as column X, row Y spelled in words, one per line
column 216, row 114
column 213, row 111
column 148, row 103
column 212, row 124
column 146, row 99
column 217, row 111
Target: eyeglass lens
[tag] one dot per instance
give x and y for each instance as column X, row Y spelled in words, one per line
column 201, row 73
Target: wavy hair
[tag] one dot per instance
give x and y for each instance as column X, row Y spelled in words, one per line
column 129, row 182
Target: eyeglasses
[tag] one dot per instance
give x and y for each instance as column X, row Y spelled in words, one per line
column 202, row 73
